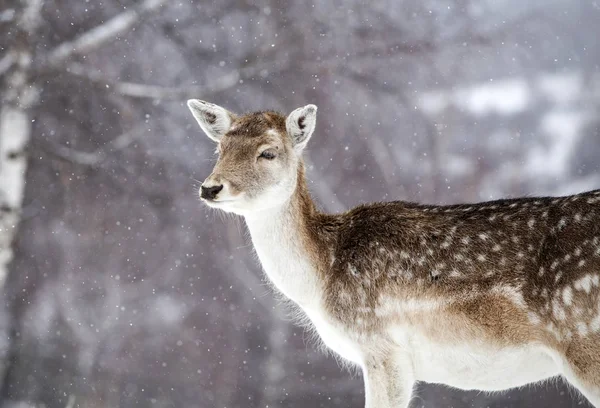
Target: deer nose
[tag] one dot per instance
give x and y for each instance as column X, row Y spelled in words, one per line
column 210, row 193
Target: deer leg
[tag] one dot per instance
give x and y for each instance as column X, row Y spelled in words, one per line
column 388, row 383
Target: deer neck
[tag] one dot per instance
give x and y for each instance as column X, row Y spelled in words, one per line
column 288, row 242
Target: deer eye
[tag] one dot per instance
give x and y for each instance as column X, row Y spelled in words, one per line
column 267, row 154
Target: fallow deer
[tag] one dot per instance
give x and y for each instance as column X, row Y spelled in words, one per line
column 486, row 296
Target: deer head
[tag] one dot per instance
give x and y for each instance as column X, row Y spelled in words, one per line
column 259, row 155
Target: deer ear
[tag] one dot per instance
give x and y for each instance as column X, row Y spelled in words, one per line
column 300, row 125
column 213, row 119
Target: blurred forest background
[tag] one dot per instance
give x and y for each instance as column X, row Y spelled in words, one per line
column 122, row 290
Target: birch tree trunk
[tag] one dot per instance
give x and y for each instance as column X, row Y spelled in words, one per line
column 19, row 94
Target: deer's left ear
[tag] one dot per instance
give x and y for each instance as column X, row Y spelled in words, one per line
column 213, row 119
column 300, row 125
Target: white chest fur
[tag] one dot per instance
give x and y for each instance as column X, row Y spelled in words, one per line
column 285, row 262
column 334, row 337
column 283, row 257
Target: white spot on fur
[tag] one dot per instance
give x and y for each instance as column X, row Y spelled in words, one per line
column 568, row 335
column 552, row 329
column 568, row 296
column 584, row 284
column 558, row 311
column 533, row 318
column 582, row 329
column 595, row 324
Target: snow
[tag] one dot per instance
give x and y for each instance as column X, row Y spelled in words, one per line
column 415, row 103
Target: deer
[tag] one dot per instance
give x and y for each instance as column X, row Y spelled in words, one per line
column 486, row 296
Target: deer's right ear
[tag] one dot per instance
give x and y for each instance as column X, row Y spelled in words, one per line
column 213, row 119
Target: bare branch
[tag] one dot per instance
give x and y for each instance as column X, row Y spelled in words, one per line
column 8, row 15
column 99, row 35
column 96, row 157
column 158, row 92
column 137, row 90
column 7, row 62
column 31, row 15
column 71, row 401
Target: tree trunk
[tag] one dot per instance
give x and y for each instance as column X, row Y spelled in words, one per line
column 18, row 95
column 15, row 132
